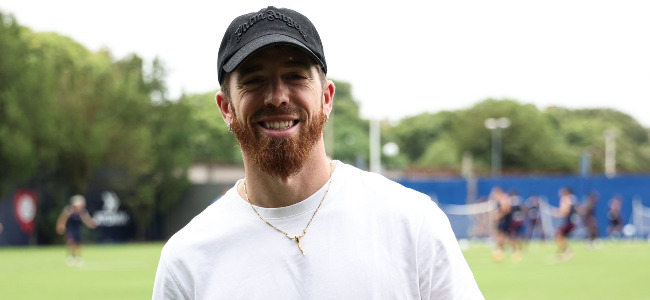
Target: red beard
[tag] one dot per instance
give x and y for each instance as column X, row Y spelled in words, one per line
column 281, row 157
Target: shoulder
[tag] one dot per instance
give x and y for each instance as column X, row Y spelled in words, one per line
column 188, row 249
column 377, row 187
column 371, row 181
column 208, row 223
column 382, row 196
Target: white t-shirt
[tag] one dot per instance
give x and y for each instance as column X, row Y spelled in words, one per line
column 371, row 239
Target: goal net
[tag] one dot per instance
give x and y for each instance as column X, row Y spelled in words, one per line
column 471, row 221
column 640, row 219
column 550, row 222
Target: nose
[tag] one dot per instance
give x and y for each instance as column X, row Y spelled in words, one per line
column 278, row 93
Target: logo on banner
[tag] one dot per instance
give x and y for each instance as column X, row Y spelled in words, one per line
column 25, row 207
column 109, row 216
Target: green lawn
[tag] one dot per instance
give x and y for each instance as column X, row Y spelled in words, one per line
column 109, row 272
column 615, row 271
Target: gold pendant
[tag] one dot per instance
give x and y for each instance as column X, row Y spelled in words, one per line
column 297, row 239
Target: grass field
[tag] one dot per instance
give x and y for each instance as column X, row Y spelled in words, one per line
column 618, row 270
column 109, row 272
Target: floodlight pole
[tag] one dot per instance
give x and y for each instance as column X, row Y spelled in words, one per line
column 496, row 152
column 495, row 126
column 610, row 153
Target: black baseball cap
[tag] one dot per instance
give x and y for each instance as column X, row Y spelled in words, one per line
column 253, row 31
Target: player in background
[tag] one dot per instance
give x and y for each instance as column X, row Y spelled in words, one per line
column 503, row 218
column 588, row 213
column 534, row 217
column 614, row 217
column 516, row 229
column 566, row 212
column 69, row 224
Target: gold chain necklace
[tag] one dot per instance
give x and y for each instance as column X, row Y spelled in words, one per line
column 304, row 231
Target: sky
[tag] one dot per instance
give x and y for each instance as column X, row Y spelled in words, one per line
column 402, row 58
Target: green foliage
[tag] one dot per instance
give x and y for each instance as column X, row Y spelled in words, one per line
column 210, row 140
column 350, row 131
column 527, row 144
column 583, row 131
column 70, row 118
column 550, row 141
column 442, row 153
column 415, row 134
column 20, row 109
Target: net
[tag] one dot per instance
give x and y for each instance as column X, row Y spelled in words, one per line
column 640, row 219
column 550, row 222
column 471, row 221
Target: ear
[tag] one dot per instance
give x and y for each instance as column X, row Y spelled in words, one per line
column 328, row 95
column 224, row 105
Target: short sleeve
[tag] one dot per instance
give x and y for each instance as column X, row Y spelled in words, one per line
column 442, row 268
column 166, row 286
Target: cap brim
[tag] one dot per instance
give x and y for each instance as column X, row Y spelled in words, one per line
column 260, row 43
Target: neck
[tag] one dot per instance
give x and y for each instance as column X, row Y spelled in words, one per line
column 270, row 191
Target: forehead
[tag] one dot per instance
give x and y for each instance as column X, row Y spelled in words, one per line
column 277, row 55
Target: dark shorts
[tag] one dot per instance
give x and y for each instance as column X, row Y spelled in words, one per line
column 566, row 228
column 73, row 236
column 503, row 226
column 615, row 222
column 516, row 229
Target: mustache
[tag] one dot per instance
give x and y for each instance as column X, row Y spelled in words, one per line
column 270, row 111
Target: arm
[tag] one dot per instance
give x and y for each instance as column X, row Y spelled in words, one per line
column 88, row 220
column 63, row 218
column 504, row 207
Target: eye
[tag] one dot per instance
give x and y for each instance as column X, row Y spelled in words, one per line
column 296, row 76
column 252, row 81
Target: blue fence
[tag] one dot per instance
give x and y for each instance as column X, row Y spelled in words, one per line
column 629, row 187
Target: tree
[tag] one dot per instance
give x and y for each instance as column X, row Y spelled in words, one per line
column 27, row 127
column 582, row 130
column 350, row 132
column 439, row 140
column 415, row 134
column 529, row 144
column 210, row 141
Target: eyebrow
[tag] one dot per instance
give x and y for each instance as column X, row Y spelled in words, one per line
column 245, row 70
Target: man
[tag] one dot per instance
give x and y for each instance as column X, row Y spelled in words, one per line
column 300, row 226
column 69, row 224
column 566, row 212
column 534, row 217
column 588, row 212
column 504, row 220
column 614, row 217
column 517, row 219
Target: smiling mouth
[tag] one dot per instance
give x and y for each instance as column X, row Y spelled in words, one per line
column 279, row 125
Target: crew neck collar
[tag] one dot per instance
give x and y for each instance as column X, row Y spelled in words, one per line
column 305, row 206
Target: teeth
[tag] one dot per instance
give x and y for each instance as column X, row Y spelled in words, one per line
column 282, row 125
